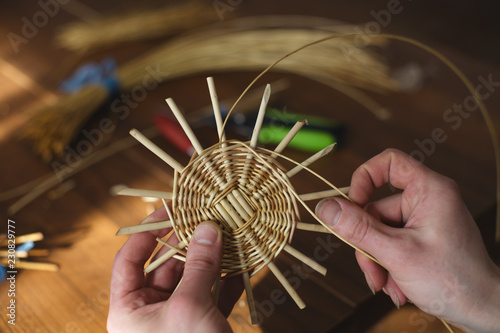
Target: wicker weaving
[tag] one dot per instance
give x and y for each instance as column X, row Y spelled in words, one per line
column 242, row 188
column 245, row 190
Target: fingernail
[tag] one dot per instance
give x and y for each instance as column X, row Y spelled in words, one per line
column 392, row 294
column 206, row 234
column 329, row 211
column 370, row 283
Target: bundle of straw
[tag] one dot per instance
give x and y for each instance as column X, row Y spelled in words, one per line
column 134, row 25
column 53, row 127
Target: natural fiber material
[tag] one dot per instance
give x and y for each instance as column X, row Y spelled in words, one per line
column 250, row 199
column 134, row 25
column 242, row 188
column 53, row 127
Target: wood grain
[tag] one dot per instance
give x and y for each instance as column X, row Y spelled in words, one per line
column 79, row 227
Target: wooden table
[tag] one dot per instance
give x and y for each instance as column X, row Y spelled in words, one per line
column 79, row 224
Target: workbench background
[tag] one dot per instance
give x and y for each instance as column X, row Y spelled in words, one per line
column 80, row 224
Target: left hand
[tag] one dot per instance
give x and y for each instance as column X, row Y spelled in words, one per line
column 160, row 301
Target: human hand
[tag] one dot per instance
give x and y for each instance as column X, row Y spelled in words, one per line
column 160, row 301
column 425, row 238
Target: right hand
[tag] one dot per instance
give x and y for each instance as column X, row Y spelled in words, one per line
column 425, row 238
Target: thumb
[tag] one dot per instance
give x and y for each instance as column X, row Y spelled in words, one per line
column 202, row 261
column 364, row 231
column 355, row 225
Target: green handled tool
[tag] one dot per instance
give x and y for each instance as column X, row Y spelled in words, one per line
column 311, row 140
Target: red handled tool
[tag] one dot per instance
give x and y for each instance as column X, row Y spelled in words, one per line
column 173, row 132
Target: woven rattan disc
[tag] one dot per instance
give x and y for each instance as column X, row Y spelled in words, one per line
column 247, row 193
column 243, row 188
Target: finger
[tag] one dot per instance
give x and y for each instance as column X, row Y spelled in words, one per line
column 387, row 210
column 358, row 227
column 166, row 276
column 375, row 275
column 391, row 166
column 127, row 275
column 158, row 215
column 202, row 263
column 392, row 290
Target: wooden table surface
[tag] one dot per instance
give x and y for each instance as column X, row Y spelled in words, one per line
column 79, row 224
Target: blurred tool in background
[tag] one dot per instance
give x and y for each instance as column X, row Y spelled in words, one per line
column 319, row 133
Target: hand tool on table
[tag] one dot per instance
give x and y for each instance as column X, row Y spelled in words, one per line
column 319, row 133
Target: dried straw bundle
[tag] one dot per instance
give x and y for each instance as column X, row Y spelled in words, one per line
column 134, row 25
column 53, row 127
